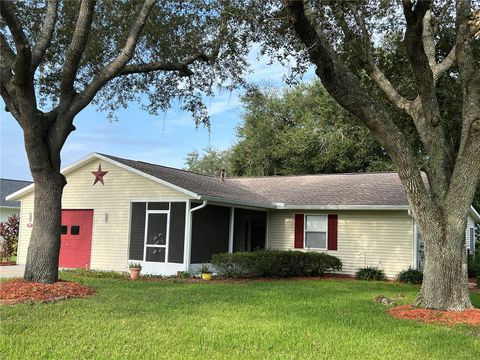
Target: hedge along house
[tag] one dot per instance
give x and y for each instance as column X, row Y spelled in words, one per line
column 117, row 211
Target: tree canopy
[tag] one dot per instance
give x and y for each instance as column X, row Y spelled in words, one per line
column 58, row 57
column 301, row 131
column 173, row 49
column 210, row 162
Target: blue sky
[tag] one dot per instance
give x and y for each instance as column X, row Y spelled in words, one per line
column 164, row 139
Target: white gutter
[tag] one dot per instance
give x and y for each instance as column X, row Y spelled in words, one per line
column 341, row 207
column 475, row 214
column 188, row 236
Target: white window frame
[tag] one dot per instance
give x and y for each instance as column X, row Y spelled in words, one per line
column 305, row 231
column 167, row 240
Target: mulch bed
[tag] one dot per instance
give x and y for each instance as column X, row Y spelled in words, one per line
column 18, row 291
column 8, row 263
column 450, row 318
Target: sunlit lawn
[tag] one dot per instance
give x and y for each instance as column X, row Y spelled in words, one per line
column 283, row 319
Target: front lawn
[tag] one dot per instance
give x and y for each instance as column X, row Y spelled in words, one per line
column 284, row 319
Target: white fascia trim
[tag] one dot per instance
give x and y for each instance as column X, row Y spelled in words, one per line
column 80, row 162
column 236, row 202
column 343, row 207
column 10, row 207
column 17, row 194
column 474, row 213
column 280, row 206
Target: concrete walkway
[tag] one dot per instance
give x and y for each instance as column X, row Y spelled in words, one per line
column 14, row 271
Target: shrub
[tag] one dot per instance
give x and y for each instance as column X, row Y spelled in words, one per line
column 235, row 265
column 183, row 275
column 9, row 237
column 371, row 274
column 473, row 262
column 204, row 269
column 274, row 263
column 410, row 276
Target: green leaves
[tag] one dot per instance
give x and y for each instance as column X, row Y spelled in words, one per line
column 301, row 131
column 214, row 33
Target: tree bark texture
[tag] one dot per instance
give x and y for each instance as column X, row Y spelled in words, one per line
column 445, row 278
column 44, row 248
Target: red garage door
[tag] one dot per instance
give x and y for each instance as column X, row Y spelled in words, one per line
column 76, row 239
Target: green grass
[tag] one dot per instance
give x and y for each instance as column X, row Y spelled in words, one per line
column 255, row 320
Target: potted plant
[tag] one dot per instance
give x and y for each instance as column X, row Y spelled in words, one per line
column 205, row 271
column 135, row 269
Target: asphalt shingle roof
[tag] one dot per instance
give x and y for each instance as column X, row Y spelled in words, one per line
column 203, row 185
column 8, row 187
column 330, row 189
column 370, row 189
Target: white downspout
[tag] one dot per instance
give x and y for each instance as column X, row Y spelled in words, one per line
column 230, row 233
column 188, row 242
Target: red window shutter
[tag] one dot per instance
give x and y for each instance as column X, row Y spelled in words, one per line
column 332, row 232
column 299, row 228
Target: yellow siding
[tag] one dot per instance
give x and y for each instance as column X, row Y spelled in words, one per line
column 376, row 238
column 109, row 239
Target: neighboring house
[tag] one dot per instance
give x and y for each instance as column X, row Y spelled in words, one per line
column 10, row 207
column 118, row 211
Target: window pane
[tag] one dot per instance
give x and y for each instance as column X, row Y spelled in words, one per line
column 64, row 230
column 75, row 230
column 157, row 229
column 156, row 254
column 316, row 240
column 316, row 223
column 158, row 206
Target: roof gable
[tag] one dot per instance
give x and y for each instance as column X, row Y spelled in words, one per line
column 109, row 159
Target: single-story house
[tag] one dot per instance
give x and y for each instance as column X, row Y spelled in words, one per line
column 10, row 207
column 118, row 211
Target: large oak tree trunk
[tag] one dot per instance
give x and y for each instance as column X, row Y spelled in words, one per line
column 44, row 247
column 445, row 277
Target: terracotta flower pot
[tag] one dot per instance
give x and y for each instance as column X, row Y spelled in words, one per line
column 134, row 273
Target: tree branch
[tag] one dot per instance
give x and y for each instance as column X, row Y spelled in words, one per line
column 8, row 14
column 114, row 68
column 430, row 28
column 446, row 64
column 428, row 39
column 469, row 74
column 46, row 34
column 347, row 91
column 75, row 50
column 367, row 61
column 181, row 67
column 7, row 61
column 24, row 55
column 8, row 56
column 440, row 153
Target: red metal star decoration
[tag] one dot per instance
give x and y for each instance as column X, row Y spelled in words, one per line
column 99, row 174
